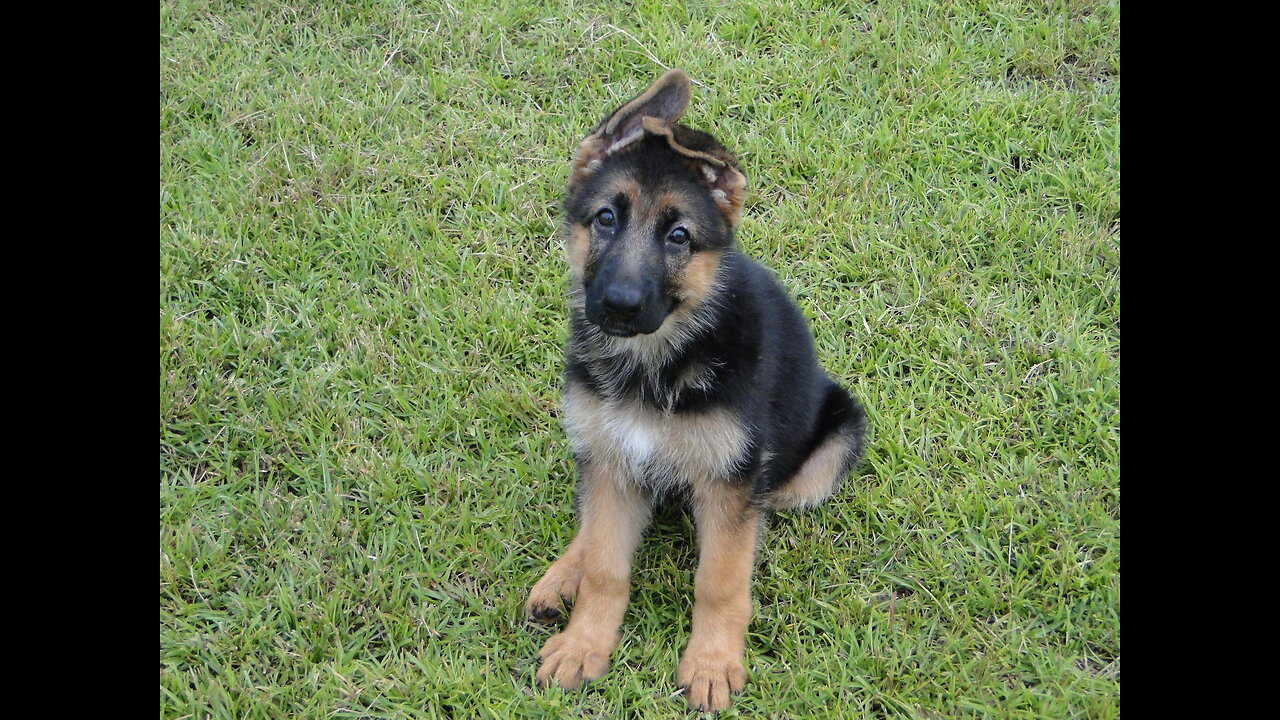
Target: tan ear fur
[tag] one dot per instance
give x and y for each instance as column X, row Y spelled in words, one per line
column 665, row 99
column 659, row 106
column 655, row 112
column 654, row 126
column 729, row 190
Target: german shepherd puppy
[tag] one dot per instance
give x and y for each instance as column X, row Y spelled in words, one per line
column 689, row 371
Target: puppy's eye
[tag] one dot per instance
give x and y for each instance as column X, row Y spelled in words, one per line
column 679, row 236
column 605, row 218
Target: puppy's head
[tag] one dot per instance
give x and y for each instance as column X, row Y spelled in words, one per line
column 652, row 206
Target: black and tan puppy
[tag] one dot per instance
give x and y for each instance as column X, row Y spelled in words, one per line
column 690, row 374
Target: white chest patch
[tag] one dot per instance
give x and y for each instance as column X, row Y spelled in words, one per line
column 652, row 447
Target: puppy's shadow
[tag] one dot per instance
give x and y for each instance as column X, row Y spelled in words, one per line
column 671, row 539
column 670, row 544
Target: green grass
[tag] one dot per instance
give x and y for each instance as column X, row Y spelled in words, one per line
column 361, row 316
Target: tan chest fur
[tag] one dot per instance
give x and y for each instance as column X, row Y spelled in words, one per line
column 651, row 447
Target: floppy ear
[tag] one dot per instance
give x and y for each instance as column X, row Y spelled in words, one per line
column 658, row 107
column 728, row 189
column 728, row 184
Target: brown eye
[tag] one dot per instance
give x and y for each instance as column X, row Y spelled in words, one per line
column 605, row 218
column 679, row 236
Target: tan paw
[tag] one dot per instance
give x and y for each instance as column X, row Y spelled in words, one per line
column 558, row 586
column 709, row 679
column 569, row 660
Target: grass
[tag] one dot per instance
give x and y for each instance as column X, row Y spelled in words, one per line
column 362, row 309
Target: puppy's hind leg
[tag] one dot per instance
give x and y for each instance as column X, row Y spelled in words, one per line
column 842, row 429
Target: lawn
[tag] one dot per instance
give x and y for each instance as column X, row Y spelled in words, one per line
column 362, row 310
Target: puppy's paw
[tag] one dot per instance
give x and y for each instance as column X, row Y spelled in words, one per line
column 570, row 659
column 550, row 594
column 708, row 679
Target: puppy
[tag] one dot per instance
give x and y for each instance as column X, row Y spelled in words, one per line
column 689, row 373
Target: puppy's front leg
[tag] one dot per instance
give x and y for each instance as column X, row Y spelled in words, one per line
column 711, row 667
column 613, row 517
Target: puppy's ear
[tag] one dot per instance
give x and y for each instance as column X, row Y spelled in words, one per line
column 728, row 189
column 666, row 100
column 718, row 166
column 659, row 106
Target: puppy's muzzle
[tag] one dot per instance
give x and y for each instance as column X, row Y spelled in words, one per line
column 623, row 302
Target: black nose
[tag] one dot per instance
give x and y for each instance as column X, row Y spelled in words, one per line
column 623, row 300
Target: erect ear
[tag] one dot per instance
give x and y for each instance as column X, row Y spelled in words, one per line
column 659, row 106
column 666, row 100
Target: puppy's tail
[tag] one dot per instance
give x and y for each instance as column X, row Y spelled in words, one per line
column 840, row 440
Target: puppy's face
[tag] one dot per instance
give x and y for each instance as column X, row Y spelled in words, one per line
column 652, row 206
column 645, row 237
